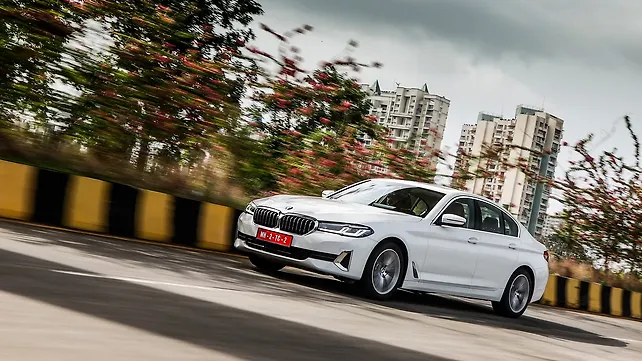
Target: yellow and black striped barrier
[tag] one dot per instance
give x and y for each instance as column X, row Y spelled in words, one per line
column 592, row 297
column 58, row 199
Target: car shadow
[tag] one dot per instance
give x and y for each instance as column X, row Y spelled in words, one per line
column 455, row 309
column 243, row 334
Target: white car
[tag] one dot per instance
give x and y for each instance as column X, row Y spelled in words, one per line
column 394, row 234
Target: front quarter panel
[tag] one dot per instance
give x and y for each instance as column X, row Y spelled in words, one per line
column 410, row 234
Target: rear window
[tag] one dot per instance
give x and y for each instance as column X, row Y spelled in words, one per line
column 510, row 227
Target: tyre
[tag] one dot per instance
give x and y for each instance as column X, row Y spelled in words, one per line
column 265, row 265
column 517, row 295
column 384, row 272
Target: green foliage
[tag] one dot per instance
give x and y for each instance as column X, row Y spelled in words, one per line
column 32, row 38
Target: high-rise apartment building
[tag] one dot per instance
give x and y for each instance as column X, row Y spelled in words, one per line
column 414, row 117
column 552, row 224
column 531, row 129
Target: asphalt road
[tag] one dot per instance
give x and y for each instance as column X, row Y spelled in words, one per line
column 70, row 297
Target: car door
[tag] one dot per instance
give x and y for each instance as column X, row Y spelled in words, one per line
column 497, row 249
column 451, row 253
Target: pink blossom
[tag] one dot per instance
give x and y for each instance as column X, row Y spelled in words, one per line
column 306, row 110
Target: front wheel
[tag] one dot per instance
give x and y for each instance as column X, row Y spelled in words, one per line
column 384, row 272
column 517, row 295
column 264, row 264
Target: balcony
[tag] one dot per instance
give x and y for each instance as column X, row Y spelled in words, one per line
column 404, row 125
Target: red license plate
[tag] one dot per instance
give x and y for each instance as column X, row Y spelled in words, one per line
column 274, row 237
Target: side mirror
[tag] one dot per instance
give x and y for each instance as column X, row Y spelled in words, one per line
column 325, row 194
column 452, row 220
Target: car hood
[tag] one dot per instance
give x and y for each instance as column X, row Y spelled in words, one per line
column 333, row 210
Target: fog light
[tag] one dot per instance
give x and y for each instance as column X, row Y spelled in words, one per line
column 343, row 261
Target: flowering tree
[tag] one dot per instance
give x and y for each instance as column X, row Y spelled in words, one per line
column 33, row 34
column 315, row 131
column 602, row 198
column 176, row 88
column 305, row 121
column 170, row 73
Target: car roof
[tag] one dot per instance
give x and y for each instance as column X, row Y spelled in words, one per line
column 446, row 190
column 430, row 186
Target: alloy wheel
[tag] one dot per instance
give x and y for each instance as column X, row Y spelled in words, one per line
column 386, row 271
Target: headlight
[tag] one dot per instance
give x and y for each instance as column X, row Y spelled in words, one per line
column 346, row 229
column 251, row 207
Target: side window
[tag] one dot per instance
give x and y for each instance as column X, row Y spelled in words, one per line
column 462, row 207
column 510, row 227
column 491, row 218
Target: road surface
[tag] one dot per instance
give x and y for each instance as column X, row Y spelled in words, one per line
column 66, row 296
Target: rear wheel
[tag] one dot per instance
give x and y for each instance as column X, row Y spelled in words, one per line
column 517, row 295
column 384, row 272
column 264, row 264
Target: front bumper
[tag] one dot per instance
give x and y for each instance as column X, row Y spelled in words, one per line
column 322, row 252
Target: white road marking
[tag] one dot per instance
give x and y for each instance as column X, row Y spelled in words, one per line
column 625, row 339
column 150, row 254
column 136, row 280
column 70, row 242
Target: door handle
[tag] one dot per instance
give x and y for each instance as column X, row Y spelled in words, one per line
column 512, row 246
column 472, row 240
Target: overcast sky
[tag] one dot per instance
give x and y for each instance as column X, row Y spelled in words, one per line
column 580, row 59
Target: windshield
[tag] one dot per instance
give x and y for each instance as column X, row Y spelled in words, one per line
column 362, row 193
column 396, row 197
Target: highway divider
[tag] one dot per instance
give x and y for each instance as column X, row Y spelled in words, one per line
column 592, row 297
column 57, row 199
column 74, row 202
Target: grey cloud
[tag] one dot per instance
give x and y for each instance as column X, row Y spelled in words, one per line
column 594, row 32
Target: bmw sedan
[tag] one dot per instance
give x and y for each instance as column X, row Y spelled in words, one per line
column 386, row 235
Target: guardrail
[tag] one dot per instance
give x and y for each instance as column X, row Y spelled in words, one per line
column 73, row 202
column 592, row 297
column 58, row 199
